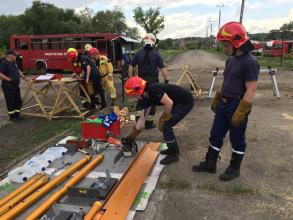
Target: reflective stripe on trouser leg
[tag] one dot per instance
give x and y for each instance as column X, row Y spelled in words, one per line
column 219, row 128
column 149, row 122
column 237, row 137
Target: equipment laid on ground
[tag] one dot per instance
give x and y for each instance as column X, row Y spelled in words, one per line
column 37, row 213
column 80, row 143
column 128, row 149
column 118, row 204
column 101, row 126
column 271, row 71
column 25, row 204
column 99, row 190
column 194, row 85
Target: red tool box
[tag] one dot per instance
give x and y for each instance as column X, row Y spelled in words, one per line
column 98, row 131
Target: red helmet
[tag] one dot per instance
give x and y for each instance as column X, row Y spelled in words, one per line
column 93, row 51
column 134, row 86
column 233, row 32
column 71, row 54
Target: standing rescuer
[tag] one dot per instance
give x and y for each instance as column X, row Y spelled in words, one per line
column 233, row 104
column 177, row 103
column 90, row 75
column 105, row 68
column 10, row 76
column 149, row 62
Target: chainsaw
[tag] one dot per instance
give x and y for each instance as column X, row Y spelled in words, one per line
column 128, row 148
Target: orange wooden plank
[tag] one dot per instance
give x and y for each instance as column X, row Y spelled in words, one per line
column 118, row 205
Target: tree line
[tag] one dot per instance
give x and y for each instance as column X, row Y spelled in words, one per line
column 45, row 18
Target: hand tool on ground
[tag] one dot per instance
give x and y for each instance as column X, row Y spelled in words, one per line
column 128, row 149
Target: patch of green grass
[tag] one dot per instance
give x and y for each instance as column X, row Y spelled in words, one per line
column 275, row 62
column 169, row 54
column 232, row 190
column 45, row 129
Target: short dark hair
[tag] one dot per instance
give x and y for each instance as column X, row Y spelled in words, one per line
column 11, row 52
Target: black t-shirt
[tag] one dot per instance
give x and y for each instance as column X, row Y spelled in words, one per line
column 11, row 70
column 238, row 70
column 85, row 61
column 148, row 62
column 177, row 94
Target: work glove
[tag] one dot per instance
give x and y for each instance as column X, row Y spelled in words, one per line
column 216, row 101
column 240, row 113
column 133, row 134
column 110, row 77
column 165, row 117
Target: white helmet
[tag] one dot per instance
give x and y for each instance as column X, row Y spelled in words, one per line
column 149, row 39
column 87, row 47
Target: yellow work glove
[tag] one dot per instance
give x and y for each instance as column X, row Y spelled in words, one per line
column 133, row 134
column 242, row 110
column 165, row 117
column 216, row 101
column 110, row 77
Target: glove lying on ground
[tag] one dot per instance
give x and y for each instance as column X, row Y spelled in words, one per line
column 165, row 117
column 133, row 134
column 242, row 110
column 216, row 101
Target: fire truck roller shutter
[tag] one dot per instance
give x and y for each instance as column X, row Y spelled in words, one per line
column 41, row 67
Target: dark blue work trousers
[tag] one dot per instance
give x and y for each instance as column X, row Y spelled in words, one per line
column 178, row 113
column 222, row 124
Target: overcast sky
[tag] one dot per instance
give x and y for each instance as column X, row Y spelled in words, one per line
column 184, row 18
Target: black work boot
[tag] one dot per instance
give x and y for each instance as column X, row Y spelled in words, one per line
column 113, row 101
column 233, row 170
column 92, row 105
column 210, row 163
column 169, row 151
column 172, row 157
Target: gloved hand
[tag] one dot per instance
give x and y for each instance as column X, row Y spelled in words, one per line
column 242, row 110
column 133, row 134
column 165, row 117
column 110, row 77
column 216, row 101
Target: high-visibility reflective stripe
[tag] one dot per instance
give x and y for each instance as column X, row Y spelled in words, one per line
column 113, row 96
column 83, row 101
column 17, row 110
column 138, row 113
column 171, row 142
column 215, row 148
column 238, row 152
column 150, row 118
column 11, row 112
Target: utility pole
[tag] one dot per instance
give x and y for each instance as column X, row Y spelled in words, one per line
column 241, row 11
column 220, row 7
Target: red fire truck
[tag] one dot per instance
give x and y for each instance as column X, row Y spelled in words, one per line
column 277, row 48
column 48, row 52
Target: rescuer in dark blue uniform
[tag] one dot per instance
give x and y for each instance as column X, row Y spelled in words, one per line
column 10, row 76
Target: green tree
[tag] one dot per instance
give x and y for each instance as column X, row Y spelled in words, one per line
column 44, row 18
column 86, row 16
column 110, row 21
column 150, row 20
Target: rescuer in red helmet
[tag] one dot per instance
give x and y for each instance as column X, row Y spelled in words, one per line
column 177, row 103
column 232, row 104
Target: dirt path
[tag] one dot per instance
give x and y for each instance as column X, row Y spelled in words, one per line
column 264, row 190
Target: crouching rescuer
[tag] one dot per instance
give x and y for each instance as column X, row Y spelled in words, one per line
column 232, row 105
column 177, row 103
